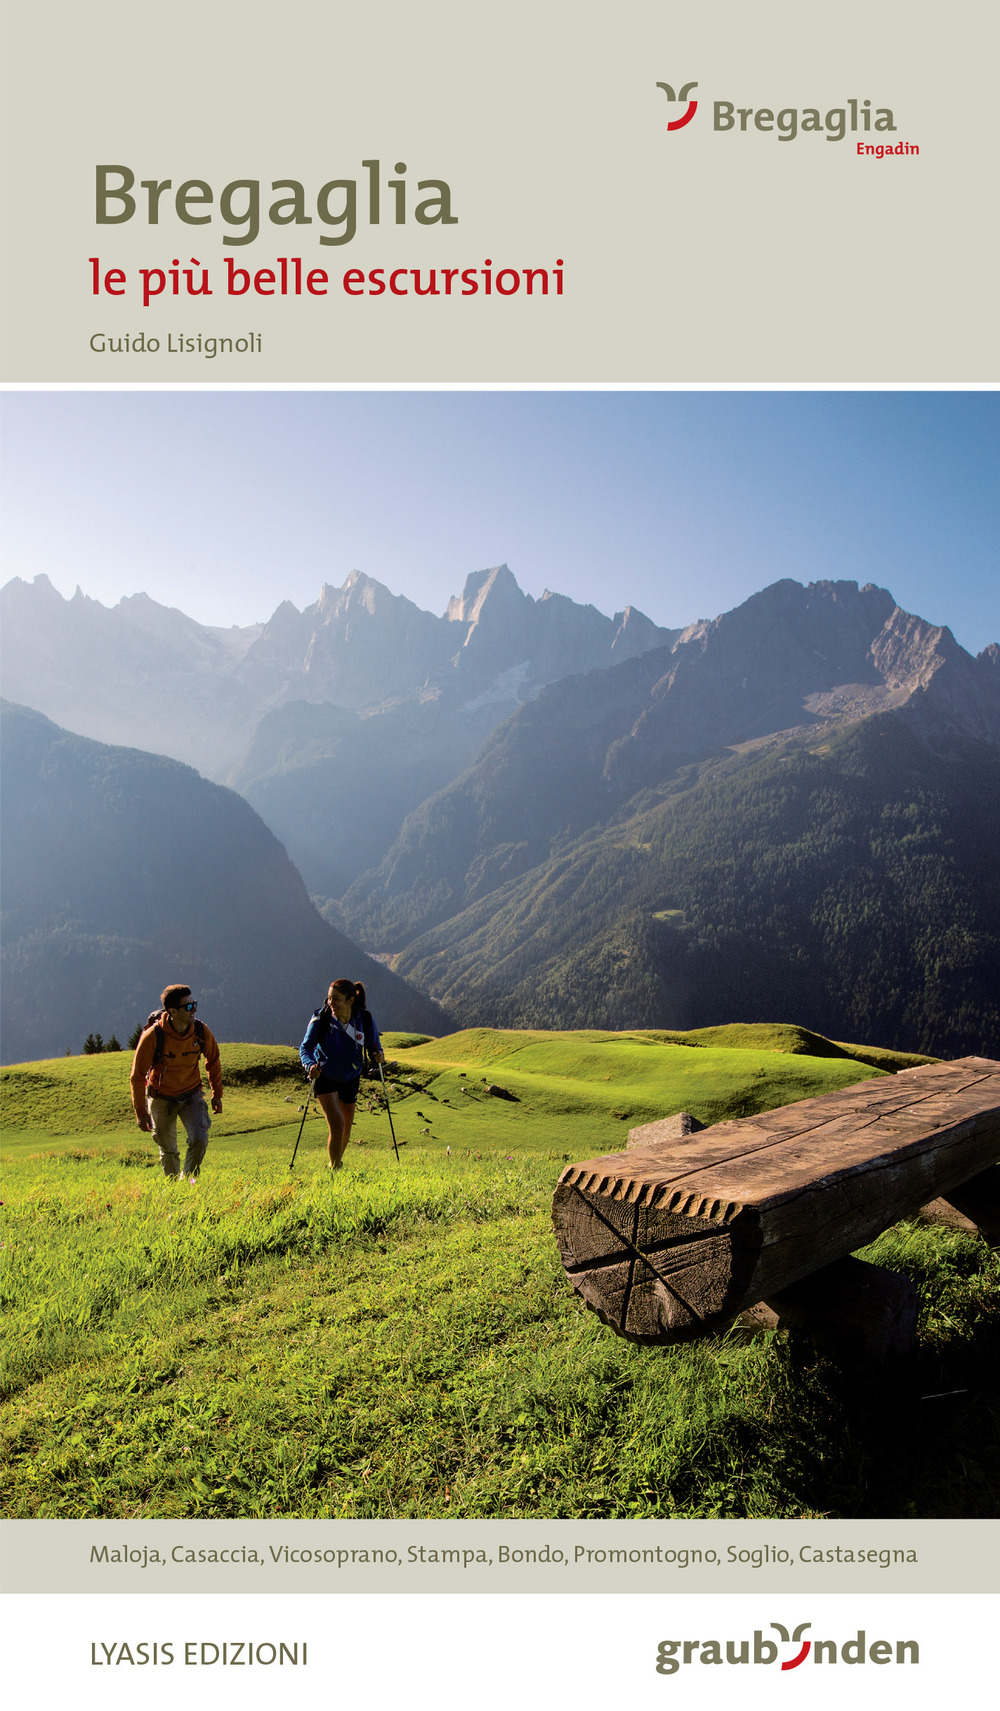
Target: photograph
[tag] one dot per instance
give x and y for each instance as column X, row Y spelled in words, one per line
column 501, row 1011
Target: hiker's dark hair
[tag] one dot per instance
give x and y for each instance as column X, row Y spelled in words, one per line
column 172, row 996
column 351, row 989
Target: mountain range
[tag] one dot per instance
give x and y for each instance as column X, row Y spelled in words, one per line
column 547, row 817
column 141, row 673
column 575, row 756
column 793, row 811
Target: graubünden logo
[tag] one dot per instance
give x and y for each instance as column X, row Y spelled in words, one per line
column 791, row 1648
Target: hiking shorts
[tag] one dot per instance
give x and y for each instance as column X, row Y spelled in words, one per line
column 346, row 1091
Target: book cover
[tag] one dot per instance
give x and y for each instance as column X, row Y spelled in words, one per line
column 527, row 208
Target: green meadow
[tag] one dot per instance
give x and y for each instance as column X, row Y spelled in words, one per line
column 399, row 1339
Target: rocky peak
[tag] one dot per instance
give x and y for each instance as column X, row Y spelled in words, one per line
column 634, row 633
column 487, row 593
column 362, row 593
column 40, row 587
column 795, row 656
column 277, row 650
column 286, row 613
column 908, row 651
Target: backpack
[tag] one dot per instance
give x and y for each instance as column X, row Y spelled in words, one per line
column 367, row 1028
column 153, row 1021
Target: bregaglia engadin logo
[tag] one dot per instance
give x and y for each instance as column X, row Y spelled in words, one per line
column 691, row 109
column 790, row 1649
column 786, row 123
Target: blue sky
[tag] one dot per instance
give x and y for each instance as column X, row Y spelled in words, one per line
column 224, row 503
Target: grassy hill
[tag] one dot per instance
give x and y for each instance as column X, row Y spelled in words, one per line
column 76, row 1096
column 556, row 1072
column 399, row 1339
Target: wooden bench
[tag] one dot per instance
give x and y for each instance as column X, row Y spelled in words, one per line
column 683, row 1233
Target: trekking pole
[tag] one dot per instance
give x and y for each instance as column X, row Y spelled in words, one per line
column 305, row 1113
column 385, row 1095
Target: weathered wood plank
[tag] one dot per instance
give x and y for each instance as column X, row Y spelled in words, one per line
column 669, row 1241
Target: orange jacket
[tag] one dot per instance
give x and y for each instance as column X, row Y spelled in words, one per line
column 178, row 1070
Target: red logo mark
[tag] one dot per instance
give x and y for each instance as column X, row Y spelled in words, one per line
column 692, row 106
column 793, row 1663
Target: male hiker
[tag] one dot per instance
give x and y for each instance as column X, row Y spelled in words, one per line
column 166, row 1081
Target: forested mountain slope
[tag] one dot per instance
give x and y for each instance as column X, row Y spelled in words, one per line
column 853, row 886
column 123, row 871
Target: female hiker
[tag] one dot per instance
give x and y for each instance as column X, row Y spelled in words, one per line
column 333, row 1053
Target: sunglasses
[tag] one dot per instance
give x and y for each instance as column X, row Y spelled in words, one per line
column 190, row 1008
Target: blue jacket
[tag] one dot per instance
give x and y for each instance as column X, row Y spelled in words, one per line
column 338, row 1048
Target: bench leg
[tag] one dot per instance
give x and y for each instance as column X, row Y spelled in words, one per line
column 850, row 1306
column 979, row 1200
